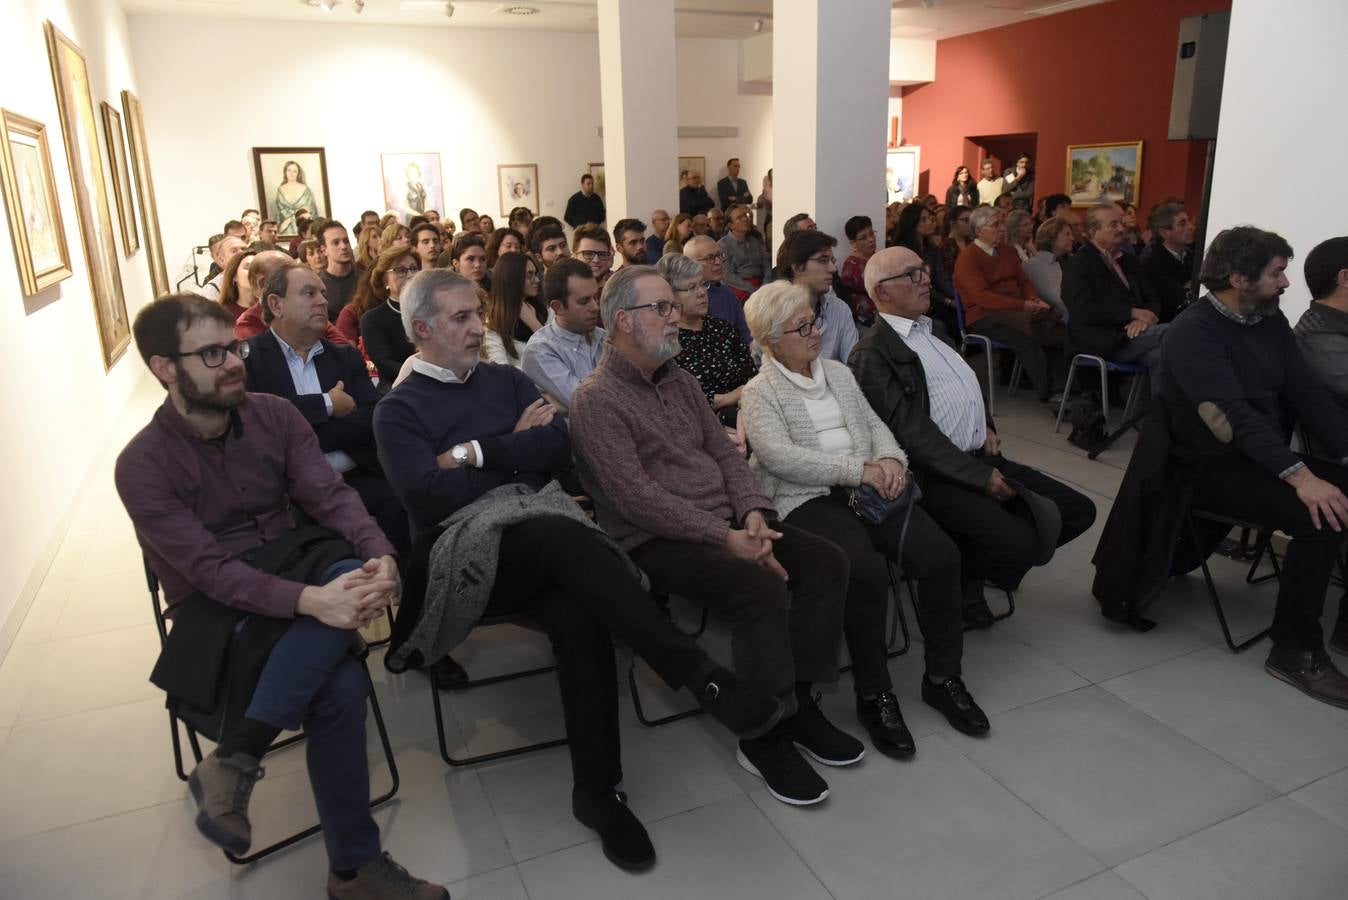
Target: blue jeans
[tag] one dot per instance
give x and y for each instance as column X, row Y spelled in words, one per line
column 311, row 681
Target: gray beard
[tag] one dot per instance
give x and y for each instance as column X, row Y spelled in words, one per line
column 1264, row 308
column 667, row 350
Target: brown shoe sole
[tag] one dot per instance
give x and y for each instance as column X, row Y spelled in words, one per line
column 1283, row 676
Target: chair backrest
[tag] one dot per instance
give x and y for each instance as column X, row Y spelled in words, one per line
column 959, row 312
column 156, row 601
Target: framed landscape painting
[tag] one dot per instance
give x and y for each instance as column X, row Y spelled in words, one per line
column 149, row 207
column 412, row 183
column 902, row 165
column 518, row 184
column 290, row 179
column 34, row 210
column 1104, row 173
column 121, row 180
column 79, row 125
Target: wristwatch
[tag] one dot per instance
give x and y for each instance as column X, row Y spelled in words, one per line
column 459, row 454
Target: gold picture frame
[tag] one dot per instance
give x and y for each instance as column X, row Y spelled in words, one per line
column 121, row 181
column 1104, row 173
column 149, row 207
column 34, row 208
column 75, row 103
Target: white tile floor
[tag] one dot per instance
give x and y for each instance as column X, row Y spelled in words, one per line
column 1119, row 765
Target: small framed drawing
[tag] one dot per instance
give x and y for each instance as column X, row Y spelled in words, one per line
column 689, row 165
column 412, row 183
column 1104, row 173
column 34, row 210
column 518, row 184
column 287, row 181
column 596, row 171
column 121, row 177
column 902, row 165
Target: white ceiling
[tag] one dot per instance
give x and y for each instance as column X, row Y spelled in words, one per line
column 693, row 18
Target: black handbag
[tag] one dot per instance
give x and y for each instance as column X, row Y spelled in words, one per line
column 874, row 509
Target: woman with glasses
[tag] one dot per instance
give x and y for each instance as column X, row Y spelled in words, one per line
column 815, row 438
column 678, row 233
column 711, row 350
column 515, row 309
column 381, row 321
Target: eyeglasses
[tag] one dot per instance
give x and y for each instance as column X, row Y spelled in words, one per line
column 692, row 288
column 662, row 307
column 806, row 327
column 718, row 256
column 824, row 261
column 404, row 271
column 592, row 255
column 916, row 276
column 213, row 357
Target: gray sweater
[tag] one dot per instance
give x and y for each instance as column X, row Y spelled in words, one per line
column 788, row 462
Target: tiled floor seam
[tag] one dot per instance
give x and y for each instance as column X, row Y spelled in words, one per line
column 787, row 841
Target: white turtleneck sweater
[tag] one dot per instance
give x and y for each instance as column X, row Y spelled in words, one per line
column 823, row 408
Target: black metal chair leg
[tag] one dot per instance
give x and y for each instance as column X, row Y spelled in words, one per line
column 635, row 688
column 1010, row 607
column 1263, row 544
column 499, row 754
column 1216, row 599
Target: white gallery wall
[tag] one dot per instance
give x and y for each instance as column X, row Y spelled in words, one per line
column 59, row 405
column 477, row 97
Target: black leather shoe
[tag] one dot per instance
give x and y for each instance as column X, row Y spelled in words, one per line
column 746, row 711
column 446, row 674
column 621, row 834
column 977, row 615
column 1311, row 672
column 952, row 699
column 883, row 720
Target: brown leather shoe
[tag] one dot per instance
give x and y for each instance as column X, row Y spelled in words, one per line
column 1311, row 672
column 222, row 786
column 383, row 879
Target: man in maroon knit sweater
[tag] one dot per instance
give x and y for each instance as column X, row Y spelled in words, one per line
column 671, row 488
column 1000, row 301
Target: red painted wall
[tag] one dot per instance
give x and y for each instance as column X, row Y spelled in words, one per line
column 1102, row 74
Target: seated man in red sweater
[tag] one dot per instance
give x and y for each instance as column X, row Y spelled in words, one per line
column 671, row 488
column 251, row 323
column 1000, row 301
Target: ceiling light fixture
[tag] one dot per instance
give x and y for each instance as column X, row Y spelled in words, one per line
column 329, row 5
column 360, row 6
column 449, row 9
column 758, row 25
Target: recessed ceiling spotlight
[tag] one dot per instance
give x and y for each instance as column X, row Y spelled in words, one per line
column 520, row 10
column 758, row 25
column 449, row 9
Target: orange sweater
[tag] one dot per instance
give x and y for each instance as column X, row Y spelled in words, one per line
column 991, row 282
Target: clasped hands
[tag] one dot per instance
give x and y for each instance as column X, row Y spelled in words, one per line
column 355, row 599
column 754, row 541
column 887, row 476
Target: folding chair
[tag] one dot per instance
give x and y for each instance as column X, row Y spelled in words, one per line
column 1105, row 367
column 988, row 345
column 194, row 728
column 1265, row 534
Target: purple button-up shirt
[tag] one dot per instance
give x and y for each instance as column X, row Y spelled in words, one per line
column 197, row 504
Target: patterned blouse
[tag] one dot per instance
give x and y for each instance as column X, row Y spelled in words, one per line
column 854, row 279
column 716, row 357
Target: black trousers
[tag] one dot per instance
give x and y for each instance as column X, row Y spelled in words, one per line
column 559, row 573
column 383, row 506
column 928, row 556
column 997, row 541
column 1035, row 338
column 781, row 632
column 1237, row 488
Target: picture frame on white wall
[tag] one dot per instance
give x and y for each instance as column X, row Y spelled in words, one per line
column 902, row 167
column 121, row 177
column 412, row 183
column 149, row 206
column 518, row 185
column 290, row 179
column 34, row 209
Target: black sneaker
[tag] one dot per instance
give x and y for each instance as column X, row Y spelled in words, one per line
column 746, row 711
column 785, row 773
column 883, row 720
column 953, row 700
column 820, row 738
column 621, row 834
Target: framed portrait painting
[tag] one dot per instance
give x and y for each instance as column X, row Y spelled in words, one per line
column 596, row 171
column 412, row 183
column 1104, row 173
column 149, row 207
column 34, row 210
column 692, row 164
column 79, row 119
column 518, row 184
column 290, row 179
column 121, row 179
column 902, row 165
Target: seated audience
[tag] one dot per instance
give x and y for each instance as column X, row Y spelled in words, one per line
column 1003, row 202
column 236, row 292
column 426, row 244
column 710, row 350
column 861, row 236
column 252, row 221
column 1000, row 302
column 655, row 243
column 693, row 196
column 381, row 325
column 312, row 254
column 367, row 246
column 1234, row 380
column 1322, row 330
column 267, row 232
column 548, row 244
column 223, row 249
column 721, row 300
column 1112, row 311
column 678, row 232
column 501, row 242
column 565, row 350
column 340, row 277
column 764, row 203
column 328, row 384
column 468, row 257
column 798, row 222
column 1133, row 241
column 1020, row 233
column 485, row 225
column 673, row 491
column 368, row 219
column 469, row 220
column 253, row 321
column 916, row 230
column 184, row 479
column 716, row 223
column 955, row 236
column 585, row 206
column 930, row 398
column 732, row 188
column 747, row 260
column 396, row 234
column 1053, row 241
column 467, row 440
column 432, row 215
column 515, row 308
column 592, row 246
column 1168, row 260
column 1057, row 205
column 990, row 187
column 629, row 237
column 806, row 258
column 962, row 190
column 814, row 440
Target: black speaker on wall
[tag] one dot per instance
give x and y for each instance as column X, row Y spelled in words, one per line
column 1200, row 63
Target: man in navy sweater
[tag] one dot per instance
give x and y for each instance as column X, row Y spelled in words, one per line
column 458, row 427
column 1233, row 377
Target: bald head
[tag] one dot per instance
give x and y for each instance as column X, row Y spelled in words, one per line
column 890, row 284
column 707, row 253
column 262, row 267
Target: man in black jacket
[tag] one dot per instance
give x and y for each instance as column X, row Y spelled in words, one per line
column 732, row 189
column 693, row 196
column 1168, row 259
column 929, row 397
column 585, row 206
column 1112, row 310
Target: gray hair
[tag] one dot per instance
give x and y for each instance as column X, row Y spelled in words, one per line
column 620, row 292
column 419, row 296
column 980, row 217
column 677, row 267
column 792, row 225
column 769, row 309
column 1095, row 216
column 1013, row 220
column 1164, row 216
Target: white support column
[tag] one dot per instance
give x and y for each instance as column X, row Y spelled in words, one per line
column 641, row 153
column 829, row 156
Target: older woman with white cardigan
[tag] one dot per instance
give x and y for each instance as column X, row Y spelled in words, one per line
column 814, row 436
